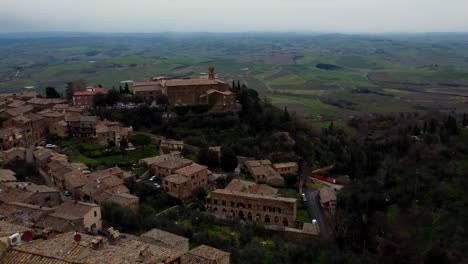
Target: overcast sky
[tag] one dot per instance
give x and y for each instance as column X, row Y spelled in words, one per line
column 348, row 16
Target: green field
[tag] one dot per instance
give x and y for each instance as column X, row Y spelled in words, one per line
column 392, row 73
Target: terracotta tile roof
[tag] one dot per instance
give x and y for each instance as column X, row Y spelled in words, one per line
column 7, row 175
column 103, row 188
column 132, row 251
column 23, row 214
column 149, row 86
column 152, row 160
column 57, row 165
column 91, row 91
column 75, row 179
column 75, row 208
column 21, row 191
column 60, row 106
column 51, row 113
column 59, row 222
column 237, row 185
column 17, row 256
column 285, row 165
column 8, row 229
column 158, row 235
column 254, row 196
column 191, row 169
column 188, row 82
column 20, row 110
column 124, row 199
column 61, row 248
column 176, row 178
column 16, row 103
column 46, row 101
column 256, row 163
column 208, row 252
column 173, row 163
column 6, row 132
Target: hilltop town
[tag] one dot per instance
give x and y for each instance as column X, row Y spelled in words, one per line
column 88, row 176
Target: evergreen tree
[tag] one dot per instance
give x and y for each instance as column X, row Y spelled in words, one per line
column 120, row 89
column 238, row 84
column 127, row 89
column 233, row 85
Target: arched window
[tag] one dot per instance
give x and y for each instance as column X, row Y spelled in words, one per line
column 257, row 217
column 249, row 216
column 241, row 215
column 276, row 219
column 285, row 222
column 267, row 219
column 215, row 209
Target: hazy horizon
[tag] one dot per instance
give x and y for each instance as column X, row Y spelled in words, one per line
column 300, row 16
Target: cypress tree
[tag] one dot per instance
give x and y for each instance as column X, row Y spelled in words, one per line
column 127, row 89
column 238, row 84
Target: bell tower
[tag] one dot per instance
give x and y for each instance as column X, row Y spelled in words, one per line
column 211, row 74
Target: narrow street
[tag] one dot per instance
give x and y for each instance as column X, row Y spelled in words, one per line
column 315, row 212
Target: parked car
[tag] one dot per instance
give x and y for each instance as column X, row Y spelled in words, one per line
column 66, row 193
column 51, row 146
column 152, row 178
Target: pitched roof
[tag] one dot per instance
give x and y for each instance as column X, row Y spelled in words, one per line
column 176, row 178
column 91, row 91
column 191, row 169
column 208, row 252
column 175, row 163
column 8, row 229
column 167, row 238
column 7, row 175
column 23, row 214
column 75, row 179
column 238, row 185
column 75, row 208
column 188, row 82
column 17, row 255
column 20, row 110
column 123, row 199
column 285, row 165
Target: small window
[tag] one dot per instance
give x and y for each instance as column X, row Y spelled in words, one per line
column 95, row 213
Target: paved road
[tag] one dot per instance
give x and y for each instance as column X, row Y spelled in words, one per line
column 315, row 212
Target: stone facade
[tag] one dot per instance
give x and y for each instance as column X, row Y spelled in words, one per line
column 248, row 204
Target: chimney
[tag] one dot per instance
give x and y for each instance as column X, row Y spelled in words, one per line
column 211, row 74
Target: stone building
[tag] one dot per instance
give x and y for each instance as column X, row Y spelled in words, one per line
column 168, row 167
column 263, row 172
column 148, row 90
column 30, row 193
column 12, row 137
column 286, row 168
column 206, row 255
column 165, row 239
column 252, row 202
column 111, row 133
column 85, row 98
column 185, row 180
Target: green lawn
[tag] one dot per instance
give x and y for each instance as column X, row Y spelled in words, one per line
column 303, row 216
column 95, row 156
column 288, row 192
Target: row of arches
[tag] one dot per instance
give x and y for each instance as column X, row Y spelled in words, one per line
column 249, row 217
